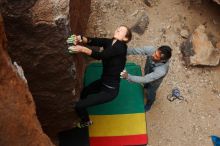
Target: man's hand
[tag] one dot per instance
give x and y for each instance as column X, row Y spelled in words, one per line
column 124, row 74
column 74, row 39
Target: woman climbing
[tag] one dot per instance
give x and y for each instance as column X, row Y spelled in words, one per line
column 113, row 59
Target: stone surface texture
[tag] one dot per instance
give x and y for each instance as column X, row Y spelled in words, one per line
column 36, row 31
column 198, row 49
column 19, row 125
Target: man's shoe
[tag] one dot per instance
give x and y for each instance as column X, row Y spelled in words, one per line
column 147, row 107
column 83, row 124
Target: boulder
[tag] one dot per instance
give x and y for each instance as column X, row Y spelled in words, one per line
column 36, row 31
column 141, row 23
column 19, row 125
column 198, row 50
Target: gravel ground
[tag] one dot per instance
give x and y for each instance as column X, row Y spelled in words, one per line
column 179, row 123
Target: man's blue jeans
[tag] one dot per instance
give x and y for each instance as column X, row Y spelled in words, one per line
column 151, row 94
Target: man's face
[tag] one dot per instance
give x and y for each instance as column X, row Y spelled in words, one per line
column 157, row 56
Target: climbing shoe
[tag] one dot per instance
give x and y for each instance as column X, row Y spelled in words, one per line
column 83, row 124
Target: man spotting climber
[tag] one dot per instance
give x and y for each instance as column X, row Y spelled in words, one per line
column 156, row 67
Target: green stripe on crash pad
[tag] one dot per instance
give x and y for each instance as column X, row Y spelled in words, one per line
column 130, row 98
column 94, row 71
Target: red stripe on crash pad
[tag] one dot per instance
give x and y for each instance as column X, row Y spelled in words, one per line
column 119, row 140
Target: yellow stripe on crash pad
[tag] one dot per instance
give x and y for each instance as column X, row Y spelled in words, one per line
column 117, row 125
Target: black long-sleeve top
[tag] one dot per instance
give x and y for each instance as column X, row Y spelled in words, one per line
column 113, row 59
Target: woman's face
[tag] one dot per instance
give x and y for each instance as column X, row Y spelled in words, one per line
column 120, row 33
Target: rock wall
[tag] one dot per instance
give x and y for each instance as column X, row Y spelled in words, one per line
column 19, row 125
column 217, row 1
column 79, row 15
column 36, row 31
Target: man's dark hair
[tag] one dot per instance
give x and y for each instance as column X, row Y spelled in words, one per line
column 166, row 52
column 128, row 34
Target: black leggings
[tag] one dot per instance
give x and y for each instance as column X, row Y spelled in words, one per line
column 94, row 94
